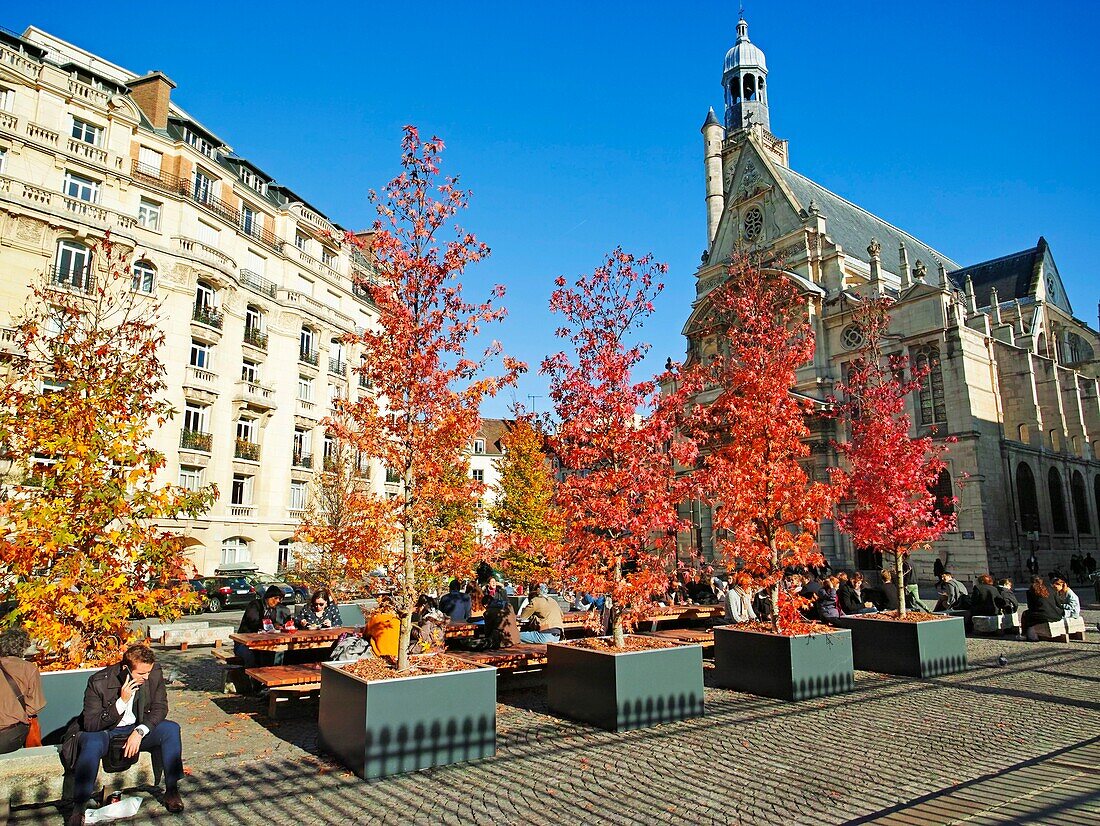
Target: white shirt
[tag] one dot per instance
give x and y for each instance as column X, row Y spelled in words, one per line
column 126, row 709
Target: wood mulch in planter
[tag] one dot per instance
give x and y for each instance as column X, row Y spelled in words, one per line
column 376, row 669
column 633, row 643
column 910, row 616
column 799, row 629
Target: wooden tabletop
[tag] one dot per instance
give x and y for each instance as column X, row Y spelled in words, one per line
column 461, row 629
column 290, row 640
column 274, row 676
column 656, row 613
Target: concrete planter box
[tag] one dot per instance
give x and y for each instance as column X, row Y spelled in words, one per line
column 384, row 727
column 628, row 690
column 787, row 668
column 909, row 649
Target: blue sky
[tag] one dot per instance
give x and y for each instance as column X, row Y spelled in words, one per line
column 576, row 124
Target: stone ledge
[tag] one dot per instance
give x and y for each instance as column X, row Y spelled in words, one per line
column 35, row 776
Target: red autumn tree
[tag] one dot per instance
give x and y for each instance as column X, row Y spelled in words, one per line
column 422, row 411
column 616, row 440
column 753, row 433
column 888, row 474
column 85, row 536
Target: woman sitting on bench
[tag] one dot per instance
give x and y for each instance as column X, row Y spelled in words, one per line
column 1042, row 607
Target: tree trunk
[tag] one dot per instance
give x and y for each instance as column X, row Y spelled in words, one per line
column 408, row 587
column 775, row 587
column 900, row 579
column 616, row 614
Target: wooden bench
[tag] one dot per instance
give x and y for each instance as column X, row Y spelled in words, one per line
column 234, row 680
column 516, row 659
column 1061, row 630
column 287, row 682
column 695, row 636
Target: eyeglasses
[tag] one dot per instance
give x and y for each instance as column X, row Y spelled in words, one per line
column 319, row 602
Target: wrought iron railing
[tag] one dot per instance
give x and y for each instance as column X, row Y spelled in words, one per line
column 196, row 440
column 210, row 316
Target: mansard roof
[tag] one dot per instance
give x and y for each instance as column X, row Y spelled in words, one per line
column 853, row 227
column 1014, row 276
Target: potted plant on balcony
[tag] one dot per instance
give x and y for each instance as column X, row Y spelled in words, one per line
column 753, row 437
column 418, row 421
column 617, row 444
column 890, row 478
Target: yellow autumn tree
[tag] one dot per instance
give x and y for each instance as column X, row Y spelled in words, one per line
column 82, row 547
column 522, row 513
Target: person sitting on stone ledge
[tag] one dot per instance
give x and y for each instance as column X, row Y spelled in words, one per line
column 1071, row 604
column 21, row 696
column 853, row 599
column 888, row 593
column 986, row 599
column 501, row 625
column 738, row 602
column 828, row 601
column 1042, row 607
column 953, row 594
column 543, row 618
column 1011, row 604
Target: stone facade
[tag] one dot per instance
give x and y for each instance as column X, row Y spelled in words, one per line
column 255, row 284
column 1013, row 370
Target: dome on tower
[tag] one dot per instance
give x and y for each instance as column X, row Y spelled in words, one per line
column 744, row 51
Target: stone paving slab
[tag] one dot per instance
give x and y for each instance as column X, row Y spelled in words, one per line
column 992, row 745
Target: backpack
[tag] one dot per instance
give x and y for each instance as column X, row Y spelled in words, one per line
column 350, row 647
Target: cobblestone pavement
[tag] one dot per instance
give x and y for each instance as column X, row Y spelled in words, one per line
column 1014, row 744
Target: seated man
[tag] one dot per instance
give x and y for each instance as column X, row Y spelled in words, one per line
column 21, row 695
column 455, row 603
column 501, row 625
column 1008, row 596
column 543, row 616
column 257, row 615
column 953, row 594
column 853, row 598
column 127, row 698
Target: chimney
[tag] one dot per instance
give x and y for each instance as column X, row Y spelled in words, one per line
column 151, row 93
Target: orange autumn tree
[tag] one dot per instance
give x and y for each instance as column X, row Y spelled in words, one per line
column 422, row 412
column 523, row 514
column 889, row 475
column 616, row 440
column 81, row 547
column 753, row 434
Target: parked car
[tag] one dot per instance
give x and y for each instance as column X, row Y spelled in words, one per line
column 302, row 592
column 261, row 582
column 227, row 592
column 199, row 587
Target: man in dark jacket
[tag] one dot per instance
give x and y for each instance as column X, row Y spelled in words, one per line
column 128, row 699
column 271, row 608
column 455, row 603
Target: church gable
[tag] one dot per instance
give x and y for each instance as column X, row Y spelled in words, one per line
column 758, row 209
column 1049, row 286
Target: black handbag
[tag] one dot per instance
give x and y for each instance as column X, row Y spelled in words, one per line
column 115, row 760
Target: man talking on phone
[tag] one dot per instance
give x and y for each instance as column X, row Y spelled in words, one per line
column 128, row 698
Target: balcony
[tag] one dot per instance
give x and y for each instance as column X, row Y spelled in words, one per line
column 8, row 121
column 245, row 449
column 311, row 357
column 364, row 382
column 254, row 338
column 241, row 510
column 302, row 460
column 255, row 395
column 75, row 279
column 257, row 283
column 256, row 231
column 90, row 94
column 87, row 151
column 209, row 316
column 196, row 440
column 156, row 179
column 338, row 367
column 200, row 376
column 208, row 253
column 20, row 62
column 41, row 133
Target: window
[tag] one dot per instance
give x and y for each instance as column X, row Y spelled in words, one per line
column 1080, row 503
column 198, row 142
column 202, row 355
column 73, row 266
column 145, row 277
column 149, row 161
column 305, row 388
column 194, row 418
column 251, row 221
column 479, row 445
column 479, row 475
column 253, row 320
column 250, row 371
column 328, row 258
column 302, row 443
column 203, row 187
column 297, row 496
column 204, row 297
column 236, row 549
column 1028, row 500
column 149, row 214
column 255, row 262
column 81, row 188
column 87, row 132
column 209, row 234
column 307, row 346
column 3, row 158
column 7, row 99
column 943, row 502
column 241, row 490
column 251, row 179
column 328, row 451
column 300, row 241
column 190, row 477
column 933, row 410
column 246, row 429
column 1057, row 502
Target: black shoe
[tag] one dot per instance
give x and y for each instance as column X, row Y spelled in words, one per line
column 173, row 802
column 76, row 817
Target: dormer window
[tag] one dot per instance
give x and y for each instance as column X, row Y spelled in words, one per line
column 198, row 142
column 479, row 445
column 252, row 180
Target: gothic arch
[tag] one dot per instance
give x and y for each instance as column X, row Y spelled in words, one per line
column 1080, row 503
column 1058, row 518
column 1028, row 499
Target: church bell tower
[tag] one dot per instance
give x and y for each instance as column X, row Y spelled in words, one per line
column 744, row 80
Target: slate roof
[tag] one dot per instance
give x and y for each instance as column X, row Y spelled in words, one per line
column 492, row 431
column 1013, row 275
column 853, row 227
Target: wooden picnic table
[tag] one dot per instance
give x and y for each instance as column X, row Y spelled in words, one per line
column 656, row 614
column 462, row 629
column 293, row 640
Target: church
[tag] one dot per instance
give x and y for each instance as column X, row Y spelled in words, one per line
column 1013, row 371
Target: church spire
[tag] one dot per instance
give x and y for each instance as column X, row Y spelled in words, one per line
column 744, row 81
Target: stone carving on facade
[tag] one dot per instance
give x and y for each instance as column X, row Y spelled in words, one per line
column 751, row 182
column 286, row 321
column 29, row 229
column 178, row 275
column 231, row 301
column 920, row 270
column 874, row 249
